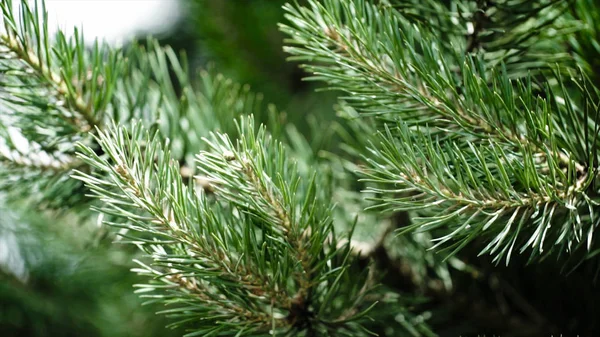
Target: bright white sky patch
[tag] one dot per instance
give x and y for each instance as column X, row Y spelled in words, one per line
column 115, row 21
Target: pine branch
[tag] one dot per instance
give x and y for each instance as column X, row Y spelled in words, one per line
column 412, row 81
column 483, row 192
column 40, row 161
column 149, row 191
column 223, row 273
column 77, row 79
column 54, row 91
column 478, row 154
column 267, row 246
column 482, row 188
column 58, row 92
column 59, row 84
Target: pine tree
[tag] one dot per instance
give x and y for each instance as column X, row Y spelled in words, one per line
column 466, row 133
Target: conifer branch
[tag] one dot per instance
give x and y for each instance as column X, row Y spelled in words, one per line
column 459, row 131
column 414, row 82
column 58, row 90
column 428, row 184
column 224, row 273
column 287, row 227
column 81, row 82
column 57, row 82
column 42, row 162
column 479, row 150
column 210, row 247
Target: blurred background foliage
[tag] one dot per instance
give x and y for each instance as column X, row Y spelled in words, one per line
column 241, row 40
column 53, row 283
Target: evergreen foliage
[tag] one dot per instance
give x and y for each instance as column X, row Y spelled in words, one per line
column 464, row 128
column 464, row 146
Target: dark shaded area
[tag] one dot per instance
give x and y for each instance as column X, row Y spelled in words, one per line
column 520, row 300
